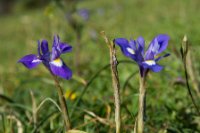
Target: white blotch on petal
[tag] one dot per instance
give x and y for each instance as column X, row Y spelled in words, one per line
column 36, row 61
column 131, row 51
column 57, row 62
column 150, row 62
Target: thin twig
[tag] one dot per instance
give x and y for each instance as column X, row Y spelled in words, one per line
column 184, row 52
column 192, row 74
column 189, row 90
column 135, row 126
column 115, row 81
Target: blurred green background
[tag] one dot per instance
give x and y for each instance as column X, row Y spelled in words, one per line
column 169, row 107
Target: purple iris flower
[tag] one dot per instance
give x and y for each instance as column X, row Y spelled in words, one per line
column 51, row 60
column 135, row 49
column 84, row 13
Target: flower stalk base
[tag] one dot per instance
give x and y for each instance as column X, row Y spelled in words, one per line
column 63, row 104
column 140, row 118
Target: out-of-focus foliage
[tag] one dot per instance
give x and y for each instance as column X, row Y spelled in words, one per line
column 169, row 108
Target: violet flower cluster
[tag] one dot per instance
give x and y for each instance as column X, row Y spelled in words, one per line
column 135, row 49
column 51, row 59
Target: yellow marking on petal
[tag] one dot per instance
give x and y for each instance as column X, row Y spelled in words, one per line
column 131, row 51
column 150, row 62
column 57, row 62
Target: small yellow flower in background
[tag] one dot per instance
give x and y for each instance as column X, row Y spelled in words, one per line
column 69, row 94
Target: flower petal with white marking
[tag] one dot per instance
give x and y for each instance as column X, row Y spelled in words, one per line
column 30, row 61
column 131, row 51
column 126, row 47
column 57, row 62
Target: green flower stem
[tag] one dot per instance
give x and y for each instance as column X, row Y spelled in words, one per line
column 140, row 118
column 63, row 104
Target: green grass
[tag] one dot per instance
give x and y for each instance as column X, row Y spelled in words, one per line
column 169, row 107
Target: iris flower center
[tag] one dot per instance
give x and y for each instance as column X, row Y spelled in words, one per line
column 150, row 62
column 57, row 62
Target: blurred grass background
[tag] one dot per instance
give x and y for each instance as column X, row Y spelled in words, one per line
column 169, row 107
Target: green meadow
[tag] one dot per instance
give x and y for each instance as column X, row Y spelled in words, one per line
column 31, row 94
